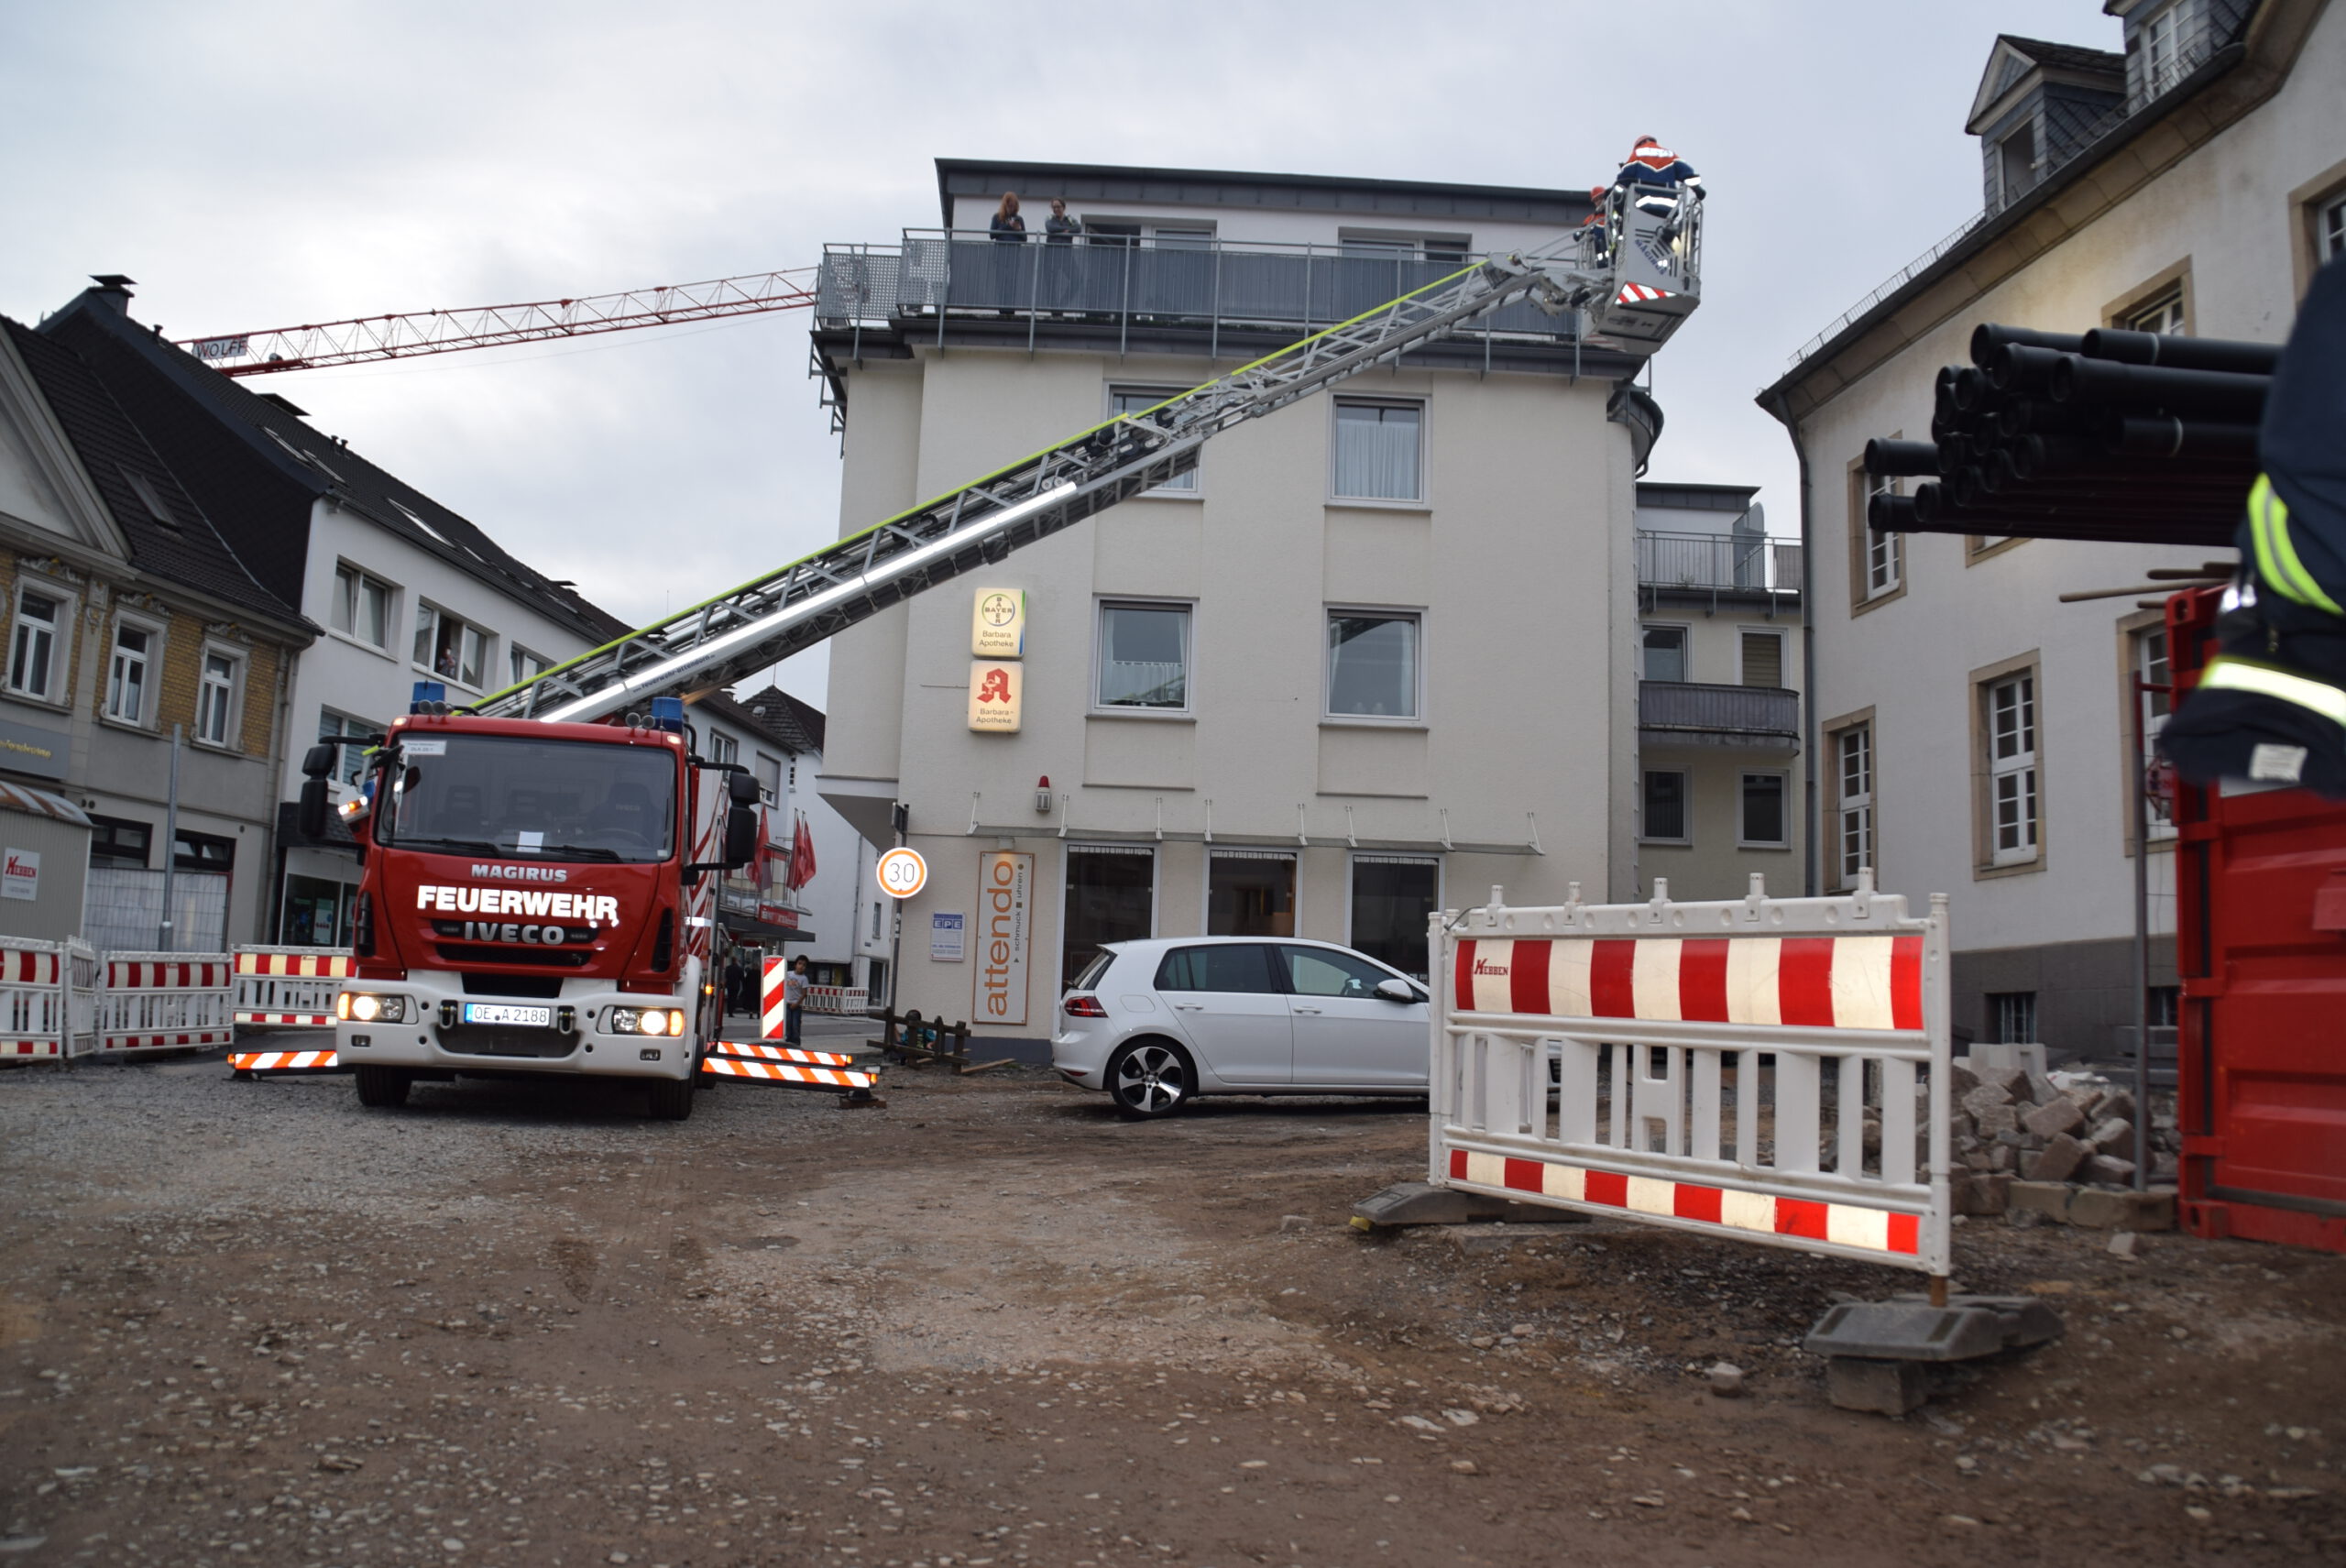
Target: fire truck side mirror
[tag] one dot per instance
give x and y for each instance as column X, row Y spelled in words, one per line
column 311, row 819
column 741, row 836
column 742, row 789
column 318, row 761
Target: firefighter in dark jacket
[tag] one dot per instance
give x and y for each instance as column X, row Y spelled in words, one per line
column 2271, row 706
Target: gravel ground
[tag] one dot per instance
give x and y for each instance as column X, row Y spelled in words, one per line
column 991, row 1324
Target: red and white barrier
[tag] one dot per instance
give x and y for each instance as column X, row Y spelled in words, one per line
column 165, row 1001
column 48, row 998
column 849, row 1000
column 288, row 988
column 1656, row 1018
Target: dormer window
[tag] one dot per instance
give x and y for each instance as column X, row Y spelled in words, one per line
column 2016, row 159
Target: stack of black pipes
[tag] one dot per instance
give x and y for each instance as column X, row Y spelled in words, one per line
column 2126, row 436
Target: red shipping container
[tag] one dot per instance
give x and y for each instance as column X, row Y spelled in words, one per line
column 2261, row 951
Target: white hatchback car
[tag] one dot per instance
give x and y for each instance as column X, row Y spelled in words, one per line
column 1156, row 1022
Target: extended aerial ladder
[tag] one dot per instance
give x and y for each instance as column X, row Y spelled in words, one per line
column 1634, row 281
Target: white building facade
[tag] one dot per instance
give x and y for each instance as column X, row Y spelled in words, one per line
column 1721, row 776
column 1970, row 732
column 1377, row 655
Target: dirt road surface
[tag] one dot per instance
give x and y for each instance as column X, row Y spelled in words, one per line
column 252, row 1323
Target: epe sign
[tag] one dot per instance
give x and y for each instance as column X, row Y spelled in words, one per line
column 902, row 872
column 994, row 687
column 998, row 624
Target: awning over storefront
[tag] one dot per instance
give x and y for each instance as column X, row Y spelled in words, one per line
column 754, row 919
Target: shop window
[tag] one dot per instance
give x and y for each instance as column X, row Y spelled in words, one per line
column 1392, row 897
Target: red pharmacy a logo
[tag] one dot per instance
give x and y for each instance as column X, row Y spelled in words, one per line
column 995, row 688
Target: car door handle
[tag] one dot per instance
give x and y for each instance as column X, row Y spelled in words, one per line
column 1306, row 1010
column 1190, row 1006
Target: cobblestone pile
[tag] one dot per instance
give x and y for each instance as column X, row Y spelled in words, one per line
column 2012, row 1124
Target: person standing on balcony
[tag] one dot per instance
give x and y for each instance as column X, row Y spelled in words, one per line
column 1059, row 228
column 1007, row 225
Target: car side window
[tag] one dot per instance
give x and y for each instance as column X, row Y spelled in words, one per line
column 1223, row 966
column 1317, row 972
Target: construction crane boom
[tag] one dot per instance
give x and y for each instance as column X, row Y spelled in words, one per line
column 1633, row 283
column 363, row 339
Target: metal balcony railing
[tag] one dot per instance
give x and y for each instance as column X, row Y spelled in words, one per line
column 1198, row 284
column 1747, row 713
column 1717, row 562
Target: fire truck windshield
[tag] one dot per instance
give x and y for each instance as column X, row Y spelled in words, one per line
column 525, row 799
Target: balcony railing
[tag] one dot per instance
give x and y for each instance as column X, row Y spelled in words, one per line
column 1744, row 715
column 1196, row 284
column 1717, row 562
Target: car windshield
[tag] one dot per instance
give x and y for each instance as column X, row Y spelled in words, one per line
column 526, row 799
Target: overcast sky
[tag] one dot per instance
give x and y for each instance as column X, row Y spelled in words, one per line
column 256, row 165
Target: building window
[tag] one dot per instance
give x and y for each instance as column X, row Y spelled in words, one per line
column 2162, row 313
column 2150, row 667
column 2165, row 1007
column 1883, row 554
column 769, row 772
column 722, row 749
column 114, row 841
column 1111, row 897
column 1122, row 401
column 1250, row 893
column 1665, row 812
column 1379, row 448
column 875, row 920
column 1665, row 653
column 350, row 736
column 1392, row 897
column 2013, row 1015
column 1853, row 754
column 215, row 698
column 317, row 912
column 133, row 646
column 1763, row 821
column 1143, row 656
column 361, row 607
column 525, row 665
column 1372, row 664
column 1763, row 659
column 2329, row 229
column 2016, row 163
column 452, row 649
column 33, row 664
column 2158, row 47
column 2013, row 819
column 205, row 852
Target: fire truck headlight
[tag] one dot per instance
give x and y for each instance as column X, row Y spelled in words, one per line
column 645, row 1021
column 367, row 1008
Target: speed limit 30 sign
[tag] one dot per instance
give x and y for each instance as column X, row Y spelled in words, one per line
column 902, row 872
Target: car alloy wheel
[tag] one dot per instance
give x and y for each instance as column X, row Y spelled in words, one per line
column 1150, row 1078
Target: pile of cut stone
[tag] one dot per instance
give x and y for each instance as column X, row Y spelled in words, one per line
column 2019, row 1123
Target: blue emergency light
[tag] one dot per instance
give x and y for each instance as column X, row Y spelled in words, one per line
column 668, row 712
column 428, row 696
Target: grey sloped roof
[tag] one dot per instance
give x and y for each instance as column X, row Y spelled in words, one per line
column 801, row 722
column 755, row 720
column 157, row 379
column 2066, row 57
column 182, row 544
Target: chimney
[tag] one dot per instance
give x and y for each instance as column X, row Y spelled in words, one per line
column 115, row 290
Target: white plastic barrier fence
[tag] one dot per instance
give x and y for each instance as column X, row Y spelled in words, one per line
column 288, row 988
column 1763, row 1070
column 165, row 1001
column 846, row 998
column 49, row 1006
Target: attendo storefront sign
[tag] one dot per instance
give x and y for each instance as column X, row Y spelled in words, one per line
column 997, row 642
column 1006, row 883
